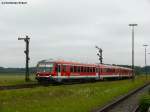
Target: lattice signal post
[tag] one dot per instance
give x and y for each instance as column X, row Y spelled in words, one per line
column 27, row 39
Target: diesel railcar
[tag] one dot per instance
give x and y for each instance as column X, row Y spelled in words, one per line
column 57, row 71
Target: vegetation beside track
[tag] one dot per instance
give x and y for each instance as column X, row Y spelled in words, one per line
column 145, row 102
column 66, row 98
column 14, row 79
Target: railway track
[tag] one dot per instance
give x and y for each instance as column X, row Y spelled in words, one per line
column 136, row 109
column 21, row 86
column 126, row 103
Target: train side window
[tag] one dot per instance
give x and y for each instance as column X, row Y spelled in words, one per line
column 71, row 68
column 100, row 70
column 81, row 69
column 93, row 69
column 63, row 68
column 84, row 69
column 75, row 69
column 104, row 70
column 90, row 69
column 56, row 67
column 96, row 69
column 78, row 68
column 114, row 70
column 108, row 70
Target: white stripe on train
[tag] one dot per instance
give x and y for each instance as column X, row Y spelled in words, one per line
column 101, row 76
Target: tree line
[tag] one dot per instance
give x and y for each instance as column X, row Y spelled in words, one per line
column 138, row 70
column 16, row 70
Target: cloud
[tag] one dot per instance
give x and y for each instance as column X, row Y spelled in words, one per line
column 70, row 29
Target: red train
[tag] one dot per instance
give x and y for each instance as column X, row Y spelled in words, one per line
column 63, row 70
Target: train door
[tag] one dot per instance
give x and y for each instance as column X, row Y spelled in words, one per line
column 64, row 69
column 97, row 73
column 59, row 73
column 100, row 71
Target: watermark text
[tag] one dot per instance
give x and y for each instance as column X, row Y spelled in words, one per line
column 13, row 2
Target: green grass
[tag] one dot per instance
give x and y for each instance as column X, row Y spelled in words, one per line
column 15, row 78
column 65, row 98
column 145, row 103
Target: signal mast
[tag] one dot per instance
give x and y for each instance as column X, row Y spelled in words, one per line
column 27, row 56
column 100, row 54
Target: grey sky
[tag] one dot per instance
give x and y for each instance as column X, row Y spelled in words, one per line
column 70, row 29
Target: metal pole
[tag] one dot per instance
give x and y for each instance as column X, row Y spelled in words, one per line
column 145, row 64
column 145, row 45
column 147, row 67
column 133, row 52
column 132, row 25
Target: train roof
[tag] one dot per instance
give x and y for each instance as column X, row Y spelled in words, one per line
column 65, row 62
column 80, row 64
column 112, row 66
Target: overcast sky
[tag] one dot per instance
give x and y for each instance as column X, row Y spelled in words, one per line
column 70, row 29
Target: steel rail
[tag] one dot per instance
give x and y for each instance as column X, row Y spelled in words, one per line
column 136, row 109
column 33, row 85
column 21, row 86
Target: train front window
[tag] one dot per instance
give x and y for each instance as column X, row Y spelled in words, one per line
column 45, row 67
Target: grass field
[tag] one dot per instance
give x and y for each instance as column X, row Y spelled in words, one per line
column 15, row 78
column 65, row 98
